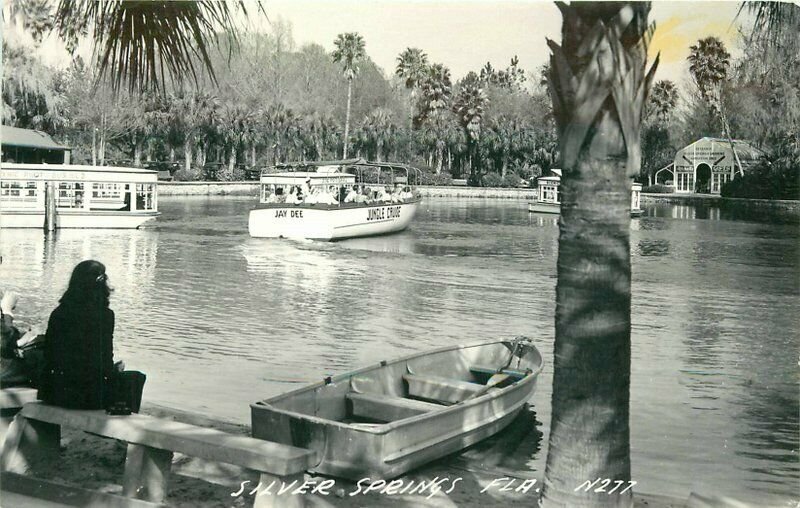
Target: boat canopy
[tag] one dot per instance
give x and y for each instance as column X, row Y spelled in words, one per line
column 362, row 170
column 76, row 173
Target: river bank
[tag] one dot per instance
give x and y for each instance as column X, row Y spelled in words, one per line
column 97, row 464
column 251, row 189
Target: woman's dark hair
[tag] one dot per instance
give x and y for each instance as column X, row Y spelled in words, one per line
column 88, row 285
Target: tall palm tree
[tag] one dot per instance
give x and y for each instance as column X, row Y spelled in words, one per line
column 599, row 87
column 663, row 99
column 349, row 52
column 469, row 106
column 709, row 63
column 435, row 98
column 412, row 65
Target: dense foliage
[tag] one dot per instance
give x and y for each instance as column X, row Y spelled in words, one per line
column 269, row 101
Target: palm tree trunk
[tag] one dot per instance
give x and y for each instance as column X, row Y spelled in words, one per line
column 187, row 154
column 137, row 152
column 599, row 143
column 347, row 117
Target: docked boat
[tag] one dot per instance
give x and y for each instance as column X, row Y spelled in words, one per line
column 384, row 203
column 383, row 420
column 548, row 198
column 82, row 196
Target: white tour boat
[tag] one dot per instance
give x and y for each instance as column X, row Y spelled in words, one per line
column 83, row 196
column 383, row 206
column 548, row 198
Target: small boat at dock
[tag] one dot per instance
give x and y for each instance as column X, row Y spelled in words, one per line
column 386, row 419
column 548, row 197
column 82, row 196
column 324, row 213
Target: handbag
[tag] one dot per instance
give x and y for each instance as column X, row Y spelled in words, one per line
column 126, row 392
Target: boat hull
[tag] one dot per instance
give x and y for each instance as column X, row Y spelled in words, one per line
column 555, row 208
column 387, row 450
column 96, row 219
column 536, row 207
column 323, row 222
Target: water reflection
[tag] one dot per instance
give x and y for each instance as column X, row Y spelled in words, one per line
column 218, row 320
column 652, row 247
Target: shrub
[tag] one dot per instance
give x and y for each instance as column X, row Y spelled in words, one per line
column 492, row 180
column 776, row 180
column 182, row 175
column 429, row 177
column 511, row 180
column 658, row 189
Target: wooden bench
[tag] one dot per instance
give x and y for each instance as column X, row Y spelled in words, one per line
column 12, row 399
column 386, row 408
column 440, row 389
column 151, row 442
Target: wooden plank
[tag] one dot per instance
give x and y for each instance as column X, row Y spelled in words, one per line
column 440, row 389
column 488, row 372
column 146, row 473
column 29, row 440
column 206, row 443
column 16, row 397
column 269, row 497
column 386, row 408
column 21, row 490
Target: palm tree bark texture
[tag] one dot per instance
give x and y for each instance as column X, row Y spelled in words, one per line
column 599, row 88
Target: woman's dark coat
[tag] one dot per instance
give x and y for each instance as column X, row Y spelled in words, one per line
column 78, row 357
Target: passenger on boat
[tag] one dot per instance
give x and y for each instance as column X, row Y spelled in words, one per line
column 295, row 196
column 312, row 197
column 307, row 186
column 329, row 197
column 80, row 372
column 407, row 194
column 352, row 195
column 362, row 197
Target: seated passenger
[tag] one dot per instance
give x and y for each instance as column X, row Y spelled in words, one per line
column 295, row 197
column 352, row 195
column 329, row 197
column 363, row 196
column 313, row 197
column 407, row 194
column 280, row 197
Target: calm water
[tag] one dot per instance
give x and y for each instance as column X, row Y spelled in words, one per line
column 219, row 320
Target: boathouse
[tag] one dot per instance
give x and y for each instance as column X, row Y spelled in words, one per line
column 705, row 165
column 31, row 147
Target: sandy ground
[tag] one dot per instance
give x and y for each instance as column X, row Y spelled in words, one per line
column 96, row 463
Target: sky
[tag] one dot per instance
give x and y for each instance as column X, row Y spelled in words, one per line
column 465, row 34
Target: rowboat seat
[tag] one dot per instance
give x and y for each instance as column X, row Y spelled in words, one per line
column 386, row 408
column 484, row 373
column 440, row 389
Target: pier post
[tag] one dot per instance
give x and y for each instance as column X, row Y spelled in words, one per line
column 50, row 207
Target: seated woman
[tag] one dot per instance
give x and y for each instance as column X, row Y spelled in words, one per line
column 79, row 369
column 13, row 366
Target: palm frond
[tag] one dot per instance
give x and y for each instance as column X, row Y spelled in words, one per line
column 141, row 43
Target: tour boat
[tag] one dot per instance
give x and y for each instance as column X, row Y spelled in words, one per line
column 334, row 219
column 386, row 419
column 548, row 199
column 82, row 196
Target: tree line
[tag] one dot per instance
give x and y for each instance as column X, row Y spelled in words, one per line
column 270, row 101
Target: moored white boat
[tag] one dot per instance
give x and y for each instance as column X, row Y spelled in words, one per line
column 280, row 215
column 384, row 420
column 548, row 197
column 83, row 196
